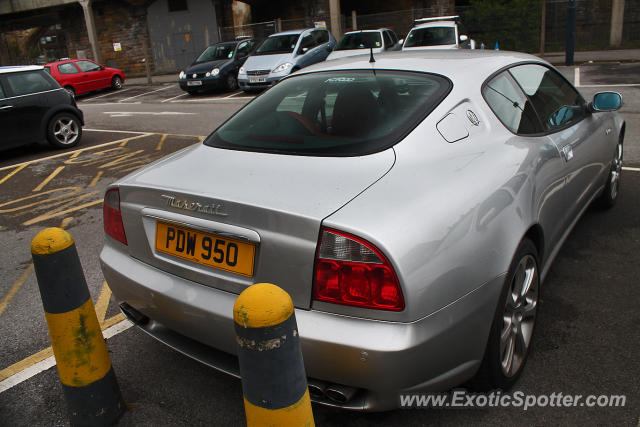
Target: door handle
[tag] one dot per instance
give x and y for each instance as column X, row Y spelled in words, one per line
column 567, row 152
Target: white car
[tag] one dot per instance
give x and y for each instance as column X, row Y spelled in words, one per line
column 360, row 42
column 442, row 32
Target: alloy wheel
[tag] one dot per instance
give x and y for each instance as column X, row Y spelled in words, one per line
column 519, row 316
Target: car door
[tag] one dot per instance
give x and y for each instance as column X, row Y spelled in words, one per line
column 22, row 106
column 324, row 47
column 305, row 50
column 93, row 75
column 576, row 133
column 512, row 107
column 69, row 75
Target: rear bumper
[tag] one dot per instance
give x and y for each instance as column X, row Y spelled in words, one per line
column 380, row 359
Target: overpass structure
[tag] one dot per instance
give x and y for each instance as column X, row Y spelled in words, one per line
column 17, row 14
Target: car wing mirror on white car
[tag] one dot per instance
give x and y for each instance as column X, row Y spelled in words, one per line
column 464, row 37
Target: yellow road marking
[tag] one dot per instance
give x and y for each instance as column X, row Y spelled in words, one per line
column 13, row 172
column 25, row 275
column 74, row 155
column 159, row 146
column 15, row 288
column 49, row 178
column 95, row 180
column 25, row 363
column 80, row 150
column 56, row 214
column 123, row 143
column 102, row 304
column 48, row 352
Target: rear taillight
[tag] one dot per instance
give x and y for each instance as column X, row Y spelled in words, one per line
column 351, row 271
column 113, row 216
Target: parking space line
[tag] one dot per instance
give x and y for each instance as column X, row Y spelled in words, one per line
column 576, row 77
column 12, row 173
column 147, row 93
column 48, row 179
column 110, row 93
column 15, row 288
column 627, row 168
column 57, row 214
column 117, row 131
column 43, row 360
column 175, row 97
column 95, row 179
column 618, row 85
column 106, row 144
column 161, row 142
column 233, row 94
column 102, row 303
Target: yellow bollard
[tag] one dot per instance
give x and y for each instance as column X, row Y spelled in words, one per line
column 274, row 382
column 88, row 381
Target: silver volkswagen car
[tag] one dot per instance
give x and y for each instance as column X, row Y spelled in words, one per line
column 410, row 206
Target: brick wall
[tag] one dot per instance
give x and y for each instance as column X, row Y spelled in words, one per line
column 116, row 22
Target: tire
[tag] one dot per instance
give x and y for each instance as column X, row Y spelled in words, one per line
column 513, row 324
column 64, row 130
column 116, row 82
column 71, row 91
column 232, row 82
column 612, row 187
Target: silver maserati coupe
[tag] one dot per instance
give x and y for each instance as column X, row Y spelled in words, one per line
column 411, row 204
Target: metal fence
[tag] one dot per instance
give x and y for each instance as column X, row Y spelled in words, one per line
column 516, row 26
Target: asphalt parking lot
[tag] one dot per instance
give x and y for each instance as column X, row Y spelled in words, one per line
column 585, row 343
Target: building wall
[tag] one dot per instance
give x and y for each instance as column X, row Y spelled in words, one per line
column 177, row 37
column 116, row 22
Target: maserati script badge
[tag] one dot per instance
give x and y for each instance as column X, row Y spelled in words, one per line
column 190, row 205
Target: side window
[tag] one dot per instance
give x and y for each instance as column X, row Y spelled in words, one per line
column 557, row 103
column 321, row 36
column 394, row 37
column 307, row 41
column 2, row 96
column 510, row 105
column 28, row 82
column 87, row 66
column 67, row 68
column 387, row 40
column 243, row 49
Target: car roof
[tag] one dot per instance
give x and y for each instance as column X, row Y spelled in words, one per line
column 435, row 24
column 367, row 31
column 458, row 65
column 18, row 68
column 299, row 31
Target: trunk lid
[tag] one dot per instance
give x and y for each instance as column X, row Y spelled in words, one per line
column 274, row 202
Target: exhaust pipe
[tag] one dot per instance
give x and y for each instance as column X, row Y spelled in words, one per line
column 316, row 388
column 340, row 393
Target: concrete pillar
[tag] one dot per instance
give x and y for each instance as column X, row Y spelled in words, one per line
column 617, row 19
column 334, row 12
column 91, row 28
column 354, row 20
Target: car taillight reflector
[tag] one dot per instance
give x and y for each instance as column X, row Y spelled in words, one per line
column 113, row 225
column 351, row 271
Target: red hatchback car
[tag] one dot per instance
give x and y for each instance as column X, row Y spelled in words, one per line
column 83, row 75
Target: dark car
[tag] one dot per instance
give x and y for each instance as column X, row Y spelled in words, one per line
column 34, row 107
column 80, row 76
column 217, row 67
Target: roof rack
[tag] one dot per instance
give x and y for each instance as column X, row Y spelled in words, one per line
column 438, row 18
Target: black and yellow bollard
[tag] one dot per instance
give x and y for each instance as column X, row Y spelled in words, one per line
column 88, row 381
column 274, row 382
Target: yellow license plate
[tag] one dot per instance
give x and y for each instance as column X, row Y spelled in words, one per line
column 206, row 249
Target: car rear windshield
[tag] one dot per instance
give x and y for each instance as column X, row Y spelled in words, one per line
column 278, row 44
column 431, row 36
column 336, row 113
column 360, row 41
column 217, row 52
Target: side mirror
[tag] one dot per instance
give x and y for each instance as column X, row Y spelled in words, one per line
column 464, row 37
column 606, row 101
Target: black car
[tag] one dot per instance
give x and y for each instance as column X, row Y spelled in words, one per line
column 217, row 67
column 34, row 107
